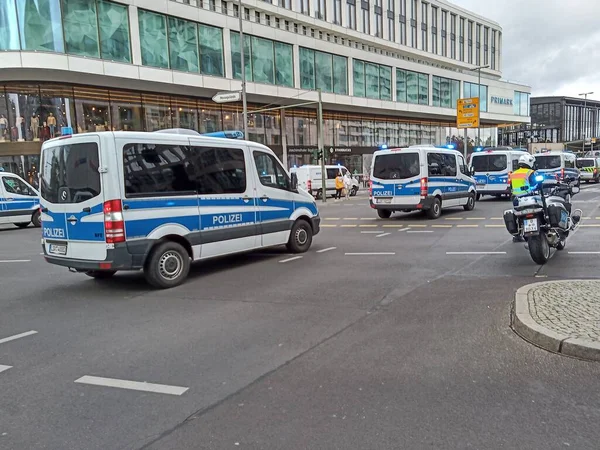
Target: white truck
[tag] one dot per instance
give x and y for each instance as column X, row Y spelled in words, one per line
column 310, row 179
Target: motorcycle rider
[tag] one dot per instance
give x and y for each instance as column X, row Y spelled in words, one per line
column 522, row 181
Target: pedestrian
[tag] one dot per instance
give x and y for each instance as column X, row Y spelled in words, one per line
column 339, row 186
column 347, row 184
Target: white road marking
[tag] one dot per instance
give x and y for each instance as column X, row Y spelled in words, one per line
column 3, row 368
column 404, row 229
column 133, row 385
column 17, row 336
column 371, row 254
column 370, row 232
column 584, row 253
column 293, row 258
column 323, row 250
column 14, row 260
column 382, row 235
column 475, row 253
column 420, row 231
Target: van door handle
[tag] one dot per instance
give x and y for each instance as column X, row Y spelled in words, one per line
column 265, row 197
column 87, row 209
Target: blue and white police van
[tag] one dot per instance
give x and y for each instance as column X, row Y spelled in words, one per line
column 422, row 178
column 114, row 201
column 492, row 168
column 558, row 165
column 19, row 201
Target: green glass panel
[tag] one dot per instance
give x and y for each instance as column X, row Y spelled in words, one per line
column 412, row 87
column 81, row 27
column 385, row 83
column 236, row 59
column 445, row 93
column 9, row 32
column 358, row 72
column 423, row 89
column 153, row 39
column 183, row 45
column 113, row 20
column 307, row 68
column 263, row 60
column 211, row 50
column 284, row 65
column 340, row 75
column 40, row 26
column 372, row 80
column 324, row 71
column 400, row 85
column 436, row 91
column 455, row 92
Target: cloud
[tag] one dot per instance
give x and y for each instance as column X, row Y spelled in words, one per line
column 551, row 45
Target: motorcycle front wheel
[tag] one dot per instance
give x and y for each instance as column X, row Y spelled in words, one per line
column 539, row 249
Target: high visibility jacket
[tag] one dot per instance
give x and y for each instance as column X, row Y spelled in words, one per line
column 519, row 181
column 339, row 182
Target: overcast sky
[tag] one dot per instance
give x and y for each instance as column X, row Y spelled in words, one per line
column 551, row 45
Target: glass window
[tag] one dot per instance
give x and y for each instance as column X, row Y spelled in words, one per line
column 547, row 162
column 23, row 103
column 152, row 169
column 56, row 110
column 80, row 27
column 284, row 65
column 218, row 170
column 153, row 39
column 351, row 6
column 211, row 51
column 372, row 80
column 236, row 59
column 340, row 75
column 400, row 85
column 71, row 170
column 449, row 168
column 183, row 45
column 366, row 22
column 337, row 12
column 307, row 68
column 157, row 112
column 9, row 31
column 396, row 166
column 126, row 111
column 412, row 87
column 4, row 124
column 270, row 172
column 92, row 110
column 40, row 25
column 113, row 22
column 423, row 89
column 324, row 71
column 13, row 185
column 385, row 82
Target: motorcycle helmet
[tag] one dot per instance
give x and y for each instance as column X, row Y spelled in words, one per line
column 527, row 161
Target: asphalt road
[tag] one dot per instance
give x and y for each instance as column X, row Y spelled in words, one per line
column 386, row 334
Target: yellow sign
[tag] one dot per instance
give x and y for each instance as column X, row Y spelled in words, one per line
column 467, row 113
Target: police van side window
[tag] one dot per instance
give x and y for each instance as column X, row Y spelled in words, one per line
column 270, row 172
column 219, row 170
column 15, row 186
column 463, row 167
column 449, row 169
column 569, row 162
column 441, row 164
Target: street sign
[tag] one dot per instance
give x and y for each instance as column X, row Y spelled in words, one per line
column 226, row 97
column 467, row 113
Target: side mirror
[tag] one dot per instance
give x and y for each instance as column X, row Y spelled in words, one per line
column 294, row 177
column 471, row 170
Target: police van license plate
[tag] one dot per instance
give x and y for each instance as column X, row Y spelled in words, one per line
column 530, row 225
column 58, row 249
column 384, row 200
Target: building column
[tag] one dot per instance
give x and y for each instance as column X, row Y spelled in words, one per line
column 134, row 26
column 418, row 20
column 228, row 65
column 296, row 52
column 351, row 77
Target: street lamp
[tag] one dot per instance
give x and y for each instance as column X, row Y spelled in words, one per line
column 244, row 104
column 478, row 69
column 583, row 114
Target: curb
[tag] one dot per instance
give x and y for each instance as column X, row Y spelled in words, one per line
column 527, row 328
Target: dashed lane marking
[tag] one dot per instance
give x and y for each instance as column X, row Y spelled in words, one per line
column 17, row 336
column 14, row 260
column 584, row 253
column 368, row 218
column 328, row 249
column 132, row 385
column 467, row 226
column 453, row 218
column 331, row 218
column 395, row 226
column 420, row 231
column 324, row 225
column 475, row 253
column 367, row 225
column 382, row 235
column 441, row 226
column 350, row 218
column 416, row 225
column 4, row 368
column 404, row 229
column 348, row 226
column 371, row 254
column 590, row 225
column 293, row 258
column 475, row 218
column 370, row 232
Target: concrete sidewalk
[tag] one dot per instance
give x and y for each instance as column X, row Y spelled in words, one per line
column 560, row 316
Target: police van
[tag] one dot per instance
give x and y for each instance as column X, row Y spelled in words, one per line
column 589, row 169
column 19, row 201
column 114, row 201
column 422, row 178
column 561, row 165
column 492, row 168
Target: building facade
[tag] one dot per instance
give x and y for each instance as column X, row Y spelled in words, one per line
column 390, row 72
column 556, row 120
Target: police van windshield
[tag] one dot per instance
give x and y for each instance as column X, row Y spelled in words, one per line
column 489, row 163
column 69, row 173
column 548, row 162
column 581, row 163
column 396, row 166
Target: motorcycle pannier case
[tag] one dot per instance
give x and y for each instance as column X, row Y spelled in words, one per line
column 558, row 216
column 511, row 222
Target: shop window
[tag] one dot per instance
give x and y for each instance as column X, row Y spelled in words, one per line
column 126, row 111
column 183, row 45
column 157, row 112
column 4, row 124
column 9, row 31
column 40, row 27
column 185, row 113
column 358, row 69
column 153, row 39
column 24, row 104
column 92, row 110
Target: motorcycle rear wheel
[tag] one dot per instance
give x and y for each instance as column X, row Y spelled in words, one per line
column 539, row 249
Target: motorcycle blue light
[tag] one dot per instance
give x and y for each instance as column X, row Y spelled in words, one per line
column 539, row 178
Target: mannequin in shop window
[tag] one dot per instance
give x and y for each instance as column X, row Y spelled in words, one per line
column 51, row 121
column 3, row 127
column 34, row 126
column 21, row 128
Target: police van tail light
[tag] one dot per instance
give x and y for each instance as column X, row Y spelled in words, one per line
column 424, row 187
column 595, row 171
column 370, row 188
column 114, row 226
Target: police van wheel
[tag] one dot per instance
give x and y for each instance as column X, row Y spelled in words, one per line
column 384, row 213
column 100, row 274
column 36, row 219
column 300, row 237
column 436, row 209
column 167, row 266
column 470, row 205
column 319, row 194
column 22, row 224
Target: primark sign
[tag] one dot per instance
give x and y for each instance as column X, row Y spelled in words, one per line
column 502, row 101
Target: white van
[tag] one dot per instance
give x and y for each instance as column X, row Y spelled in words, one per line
column 310, row 179
column 561, row 165
column 492, row 168
column 115, row 201
column 420, row 178
column 19, row 201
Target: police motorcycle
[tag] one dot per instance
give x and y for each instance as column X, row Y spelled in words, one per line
column 543, row 217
